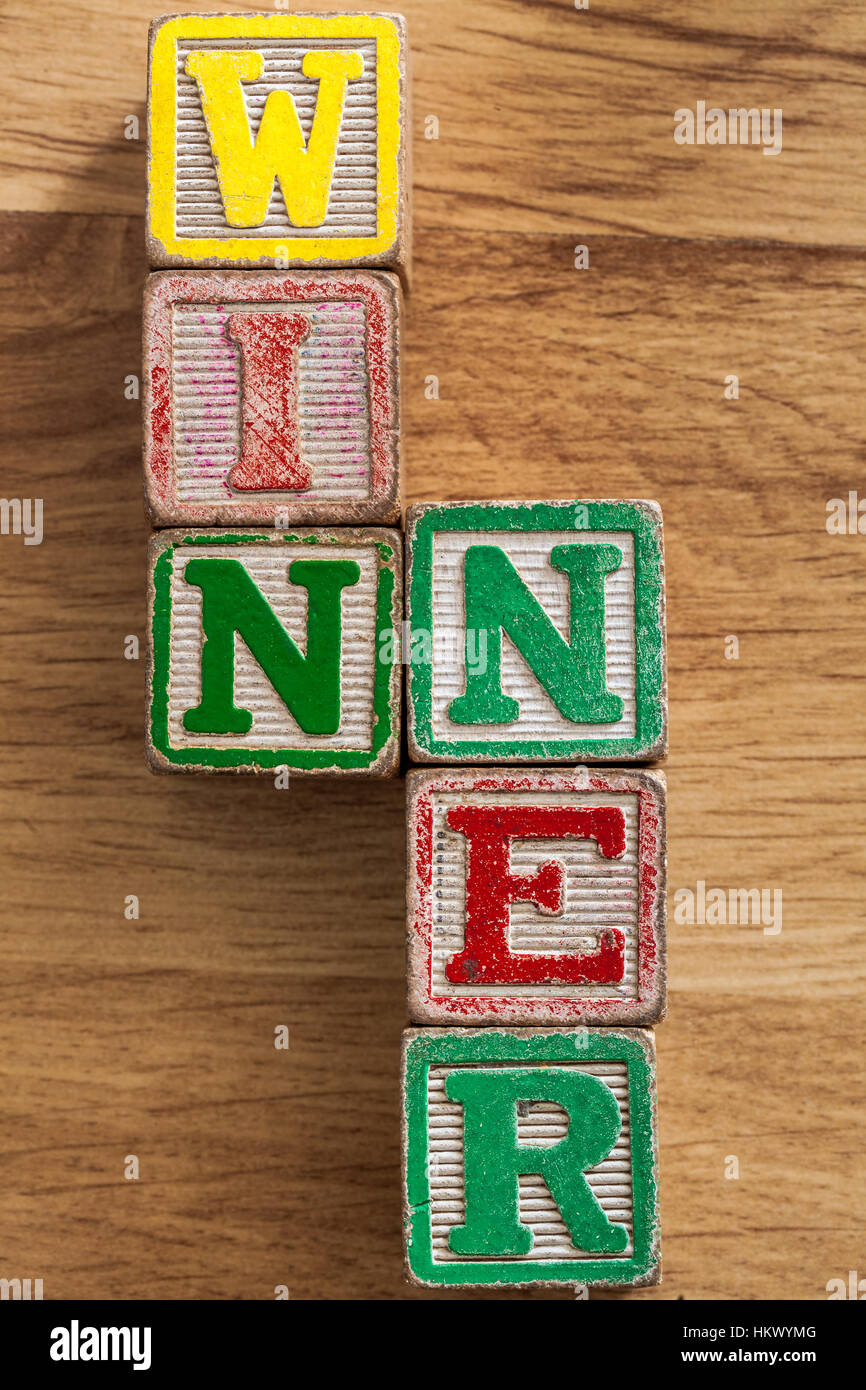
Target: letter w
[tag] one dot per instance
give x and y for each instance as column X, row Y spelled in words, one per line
column 308, row 685
column 246, row 169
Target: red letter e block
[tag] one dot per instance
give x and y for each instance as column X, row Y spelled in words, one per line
column 536, row 897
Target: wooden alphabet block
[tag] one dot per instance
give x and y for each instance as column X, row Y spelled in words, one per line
column 274, row 651
column 278, row 140
column 577, row 589
column 536, row 896
column 530, row 1157
column 271, row 398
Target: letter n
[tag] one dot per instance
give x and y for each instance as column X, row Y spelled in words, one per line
column 573, row 673
column 308, row 685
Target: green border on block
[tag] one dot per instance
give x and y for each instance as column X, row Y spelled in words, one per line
column 441, row 1048
column 266, row 757
column 649, row 632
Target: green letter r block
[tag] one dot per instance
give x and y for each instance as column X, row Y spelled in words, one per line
column 475, row 1141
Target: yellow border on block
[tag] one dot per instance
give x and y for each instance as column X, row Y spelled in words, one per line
column 163, row 118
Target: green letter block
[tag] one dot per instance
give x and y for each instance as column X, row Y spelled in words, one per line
column 520, row 664
column 530, row 1157
column 302, row 627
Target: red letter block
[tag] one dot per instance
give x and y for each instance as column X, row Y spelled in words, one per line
column 271, row 399
column 536, row 897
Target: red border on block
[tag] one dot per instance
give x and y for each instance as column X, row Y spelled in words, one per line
column 648, row 1005
column 166, row 288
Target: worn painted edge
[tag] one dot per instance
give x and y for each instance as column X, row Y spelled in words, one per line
column 647, row 1008
column 384, row 757
column 423, row 1048
column 644, row 520
column 389, row 248
column 382, row 295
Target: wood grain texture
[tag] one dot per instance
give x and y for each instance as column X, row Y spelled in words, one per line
column 550, row 119
column 155, row 1036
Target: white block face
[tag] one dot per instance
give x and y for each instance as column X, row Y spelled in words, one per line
column 273, row 725
column 272, row 399
column 352, row 205
column 541, row 1123
column 529, row 552
column 333, row 404
column 599, row 893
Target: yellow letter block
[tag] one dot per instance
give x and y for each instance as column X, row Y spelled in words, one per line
column 278, row 140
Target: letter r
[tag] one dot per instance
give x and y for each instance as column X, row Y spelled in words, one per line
column 493, row 1159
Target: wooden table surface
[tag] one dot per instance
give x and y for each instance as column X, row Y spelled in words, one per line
column 261, row 907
